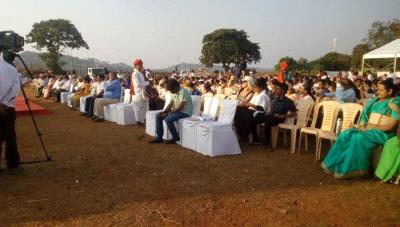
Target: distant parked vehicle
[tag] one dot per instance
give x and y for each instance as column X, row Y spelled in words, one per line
column 96, row 71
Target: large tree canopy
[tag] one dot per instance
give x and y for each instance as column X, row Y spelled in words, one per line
column 334, row 61
column 55, row 36
column 382, row 33
column 226, row 46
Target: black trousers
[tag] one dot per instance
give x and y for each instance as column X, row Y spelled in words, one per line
column 89, row 104
column 8, row 135
column 57, row 93
column 269, row 122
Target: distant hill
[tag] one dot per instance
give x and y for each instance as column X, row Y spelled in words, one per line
column 34, row 62
column 187, row 66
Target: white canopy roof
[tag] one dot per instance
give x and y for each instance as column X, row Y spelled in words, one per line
column 390, row 50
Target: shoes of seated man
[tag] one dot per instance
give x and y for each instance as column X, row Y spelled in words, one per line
column 139, row 124
column 172, row 141
column 269, row 149
column 156, row 140
column 83, row 114
column 98, row 119
column 89, row 115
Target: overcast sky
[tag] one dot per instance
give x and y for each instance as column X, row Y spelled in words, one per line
column 163, row 32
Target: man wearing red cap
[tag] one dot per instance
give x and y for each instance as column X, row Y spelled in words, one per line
column 138, row 92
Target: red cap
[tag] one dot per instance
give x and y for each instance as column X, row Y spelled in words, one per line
column 138, row 62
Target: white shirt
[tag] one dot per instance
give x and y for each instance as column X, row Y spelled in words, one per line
column 100, row 87
column 9, row 84
column 139, row 84
column 93, row 88
column 262, row 100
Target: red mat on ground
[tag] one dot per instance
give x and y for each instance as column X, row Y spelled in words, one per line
column 22, row 109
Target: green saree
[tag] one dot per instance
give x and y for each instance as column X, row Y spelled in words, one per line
column 351, row 155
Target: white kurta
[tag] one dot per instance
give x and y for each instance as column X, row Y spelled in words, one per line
column 139, row 100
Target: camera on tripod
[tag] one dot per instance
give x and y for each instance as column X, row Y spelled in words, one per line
column 11, row 41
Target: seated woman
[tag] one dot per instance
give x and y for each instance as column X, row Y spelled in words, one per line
column 246, row 91
column 351, row 155
column 83, row 92
column 346, row 93
column 388, row 169
column 247, row 113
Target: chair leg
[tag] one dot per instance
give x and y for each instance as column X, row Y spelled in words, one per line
column 318, row 149
column 306, row 141
column 274, row 137
column 293, row 134
column 300, row 139
column 285, row 138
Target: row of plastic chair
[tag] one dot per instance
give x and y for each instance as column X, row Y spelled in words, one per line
column 351, row 113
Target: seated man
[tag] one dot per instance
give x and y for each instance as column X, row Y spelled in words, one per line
column 112, row 94
column 180, row 107
column 89, row 105
column 281, row 108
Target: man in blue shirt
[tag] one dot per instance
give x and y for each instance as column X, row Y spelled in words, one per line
column 112, row 94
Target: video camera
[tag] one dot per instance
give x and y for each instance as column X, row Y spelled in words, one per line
column 11, row 41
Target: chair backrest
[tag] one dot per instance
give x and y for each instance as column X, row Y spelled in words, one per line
column 228, row 109
column 196, row 103
column 317, row 109
column 330, row 114
column 220, row 96
column 364, row 101
column 213, row 113
column 350, row 112
column 127, row 96
column 207, row 105
column 168, row 99
column 329, row 99
column 304, row 108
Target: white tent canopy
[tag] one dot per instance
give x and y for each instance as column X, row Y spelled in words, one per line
column 390, row 50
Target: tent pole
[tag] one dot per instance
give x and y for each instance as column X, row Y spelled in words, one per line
column 362, row 66
column 394, row 69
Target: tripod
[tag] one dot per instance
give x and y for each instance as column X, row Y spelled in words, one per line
column 39, row 134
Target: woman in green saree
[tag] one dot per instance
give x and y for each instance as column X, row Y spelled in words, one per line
column 351, row 155
column 388, row 169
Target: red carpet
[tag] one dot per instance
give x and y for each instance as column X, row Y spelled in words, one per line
column 22, row 108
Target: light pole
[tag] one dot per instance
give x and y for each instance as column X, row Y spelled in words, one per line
column 334, row 44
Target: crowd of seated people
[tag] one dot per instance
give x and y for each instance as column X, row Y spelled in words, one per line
column 262, row 100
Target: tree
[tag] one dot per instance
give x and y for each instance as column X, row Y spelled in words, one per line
column 357, row 54
column 226, row 46
column 55, row 36
column 303, row 65
column 382, row 33
column 334, row 61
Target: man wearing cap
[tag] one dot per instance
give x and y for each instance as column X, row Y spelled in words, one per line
column 138, row 92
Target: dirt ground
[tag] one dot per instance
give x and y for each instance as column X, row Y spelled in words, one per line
column 103, row 174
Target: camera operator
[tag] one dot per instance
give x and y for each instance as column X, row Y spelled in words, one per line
column 9, row 88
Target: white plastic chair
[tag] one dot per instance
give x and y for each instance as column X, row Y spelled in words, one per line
column 304, row 108
column 188, row 128
column 350, row 112
column 218, row 138
column 328, row 122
